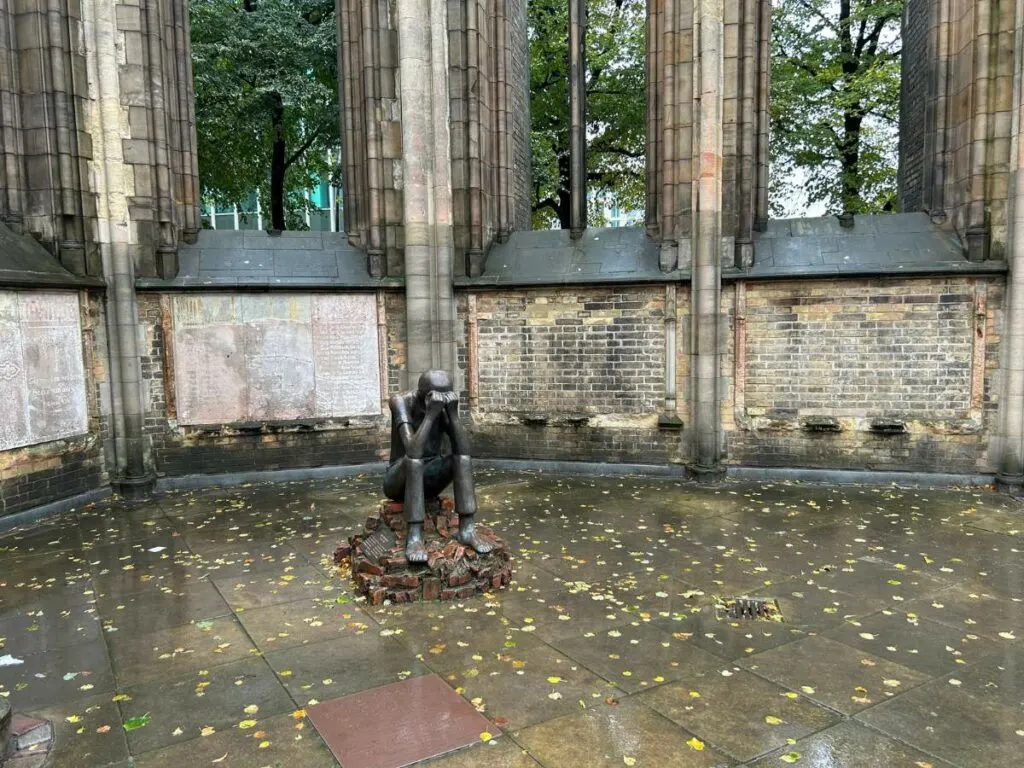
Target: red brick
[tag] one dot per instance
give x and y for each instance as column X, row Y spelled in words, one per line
column 431, row 588
column 407, row 581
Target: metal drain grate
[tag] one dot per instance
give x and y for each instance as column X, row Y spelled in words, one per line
column 751, row 609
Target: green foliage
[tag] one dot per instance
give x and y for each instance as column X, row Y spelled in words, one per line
column 616, row 106
column 835, row 104
column 249, row 55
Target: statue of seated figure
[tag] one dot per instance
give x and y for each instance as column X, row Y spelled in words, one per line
column 418, row 471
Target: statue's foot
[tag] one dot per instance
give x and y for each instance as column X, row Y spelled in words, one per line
column 468, row 536
column 415, row 550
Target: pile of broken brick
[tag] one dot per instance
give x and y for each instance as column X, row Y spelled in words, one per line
column 452, row 571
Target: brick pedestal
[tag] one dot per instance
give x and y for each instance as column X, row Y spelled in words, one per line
column 452, row 571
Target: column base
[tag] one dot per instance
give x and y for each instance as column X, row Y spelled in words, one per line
column 707, row 475
column 1011, row 484
column 135, row 488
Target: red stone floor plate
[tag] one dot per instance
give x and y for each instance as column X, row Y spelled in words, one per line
column 397, row 725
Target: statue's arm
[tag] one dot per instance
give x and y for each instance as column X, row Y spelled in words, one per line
column 415, row 441
column 453, row 426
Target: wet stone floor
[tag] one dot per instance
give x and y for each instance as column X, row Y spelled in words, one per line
column 199, row 628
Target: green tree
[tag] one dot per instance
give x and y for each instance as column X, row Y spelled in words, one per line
column 266, row 83
column 616, row 106
column 835, row 103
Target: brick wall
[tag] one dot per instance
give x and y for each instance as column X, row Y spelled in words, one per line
column 578, row 374
column 597, row 351
column 844, row 355
column 574, row 374
column 39, row 474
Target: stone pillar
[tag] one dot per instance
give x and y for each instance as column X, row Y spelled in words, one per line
column 1009, row 443
column 577, row 118
column 705, row 303
column 427, row 192
column 672, row 159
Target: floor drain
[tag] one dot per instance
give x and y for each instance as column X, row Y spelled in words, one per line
column 751, row 609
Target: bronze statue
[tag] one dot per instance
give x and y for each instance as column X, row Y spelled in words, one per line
column 418, row 471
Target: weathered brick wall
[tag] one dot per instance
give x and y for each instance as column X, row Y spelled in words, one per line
column 573, row 374
column 910, row 351
column 913, row 101
column 578, row 374
column 176, row 449
column 597, row 351
column 39, row 474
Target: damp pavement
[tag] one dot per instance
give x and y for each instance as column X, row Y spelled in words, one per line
column 202, row 628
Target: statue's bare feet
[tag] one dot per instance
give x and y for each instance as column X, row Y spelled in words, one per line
column 469, row 537
column 415, row 550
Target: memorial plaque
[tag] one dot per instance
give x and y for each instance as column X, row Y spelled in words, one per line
column 378, row 544
column 275, row 357
column 346, row 355
column 42, row 373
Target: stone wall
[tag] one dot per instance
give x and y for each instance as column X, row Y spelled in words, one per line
column 884, row 373
column 188, row 336
column 913, row 100
column 54, row 397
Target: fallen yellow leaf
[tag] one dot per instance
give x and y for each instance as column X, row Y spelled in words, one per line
column 696, row 744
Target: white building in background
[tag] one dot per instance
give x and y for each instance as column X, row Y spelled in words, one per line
column 612, row 215
column 322, row 215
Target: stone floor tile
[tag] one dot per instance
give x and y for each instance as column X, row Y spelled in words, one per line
column 577, row 608
column 334, row 668
column 276, row 743
column 524, row 684
column 164, row 608
column 637, row 657
column 840, row 677
column 258, row 590
column 226, row 695
column 234, row 561
column 613, row 735
column 174, row 653
column 913, row 641
column 27, row 581
column 35, row 628
column 398, row 724
column 87, row 733
column 807, row 609
column 61, row 675
column 850, row 744
column 497, row 753
column 966, row 730
column 972, row 609
column 1000, row 677
column 742, row 714
column 302, row 622
column 873, row 577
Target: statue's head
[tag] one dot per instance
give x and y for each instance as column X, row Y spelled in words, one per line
column 433, row 381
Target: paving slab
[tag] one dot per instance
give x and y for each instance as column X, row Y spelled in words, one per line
column 398, row 724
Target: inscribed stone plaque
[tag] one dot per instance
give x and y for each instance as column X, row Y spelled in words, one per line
column 346, row 355
column 275, row 357
column 378, row 544
column 42, row 374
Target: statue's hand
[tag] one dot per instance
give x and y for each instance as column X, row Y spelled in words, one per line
column 435, row 403
column 451, row 404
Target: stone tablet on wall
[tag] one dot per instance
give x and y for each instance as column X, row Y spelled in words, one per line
column 42, row 374
column 275, row 357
